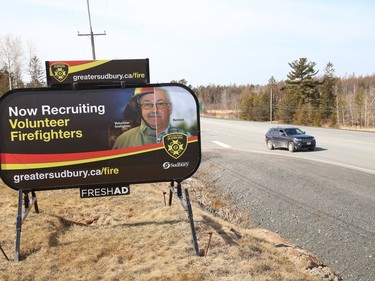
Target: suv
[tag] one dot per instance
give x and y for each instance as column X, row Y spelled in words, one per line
column 291, row 138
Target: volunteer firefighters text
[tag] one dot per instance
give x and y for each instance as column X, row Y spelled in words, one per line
column 17, row 125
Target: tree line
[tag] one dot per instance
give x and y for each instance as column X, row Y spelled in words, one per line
column 304, row 98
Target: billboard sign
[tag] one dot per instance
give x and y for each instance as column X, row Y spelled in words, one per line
column 134, row 71
column 111, row 136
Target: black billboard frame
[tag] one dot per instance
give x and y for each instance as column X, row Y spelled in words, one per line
column 25, row 204
column 82, row 86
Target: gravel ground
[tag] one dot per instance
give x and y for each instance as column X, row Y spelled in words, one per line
column 325, row 209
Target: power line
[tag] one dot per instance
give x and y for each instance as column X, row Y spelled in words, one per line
column 91, row 34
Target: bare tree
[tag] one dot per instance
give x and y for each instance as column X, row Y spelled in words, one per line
column 10, row 59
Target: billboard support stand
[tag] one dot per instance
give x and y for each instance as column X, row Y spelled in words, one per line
column 21, row 216
column 185, row 202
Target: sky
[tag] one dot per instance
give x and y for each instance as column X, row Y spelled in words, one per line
column 204, row 42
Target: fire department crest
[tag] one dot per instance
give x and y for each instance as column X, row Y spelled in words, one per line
column 175, row 144
column 60, row 71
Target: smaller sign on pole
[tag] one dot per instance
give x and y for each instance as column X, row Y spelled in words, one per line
column 135, row 71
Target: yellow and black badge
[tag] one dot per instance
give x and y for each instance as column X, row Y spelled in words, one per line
column 175, row 144
column 59, row 71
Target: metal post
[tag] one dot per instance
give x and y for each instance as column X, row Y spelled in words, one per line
column 21, row 216
column 179, row 190
column 170, row 194
column 18, row 226
column 271, row 98
column 26, row 200
column 190, row 213
column 91, row 33
column 185, row 203
column 35, row 202
column 165, row 201
column 208, row 244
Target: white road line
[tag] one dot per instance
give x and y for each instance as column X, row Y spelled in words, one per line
column 221, row 144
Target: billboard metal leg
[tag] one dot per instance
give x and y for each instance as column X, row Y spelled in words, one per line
column 179, row 190
column 18, row 226
column 185, row 202
column 190, row 214
column 33, row 199
column 170, row 193
column 21, row 216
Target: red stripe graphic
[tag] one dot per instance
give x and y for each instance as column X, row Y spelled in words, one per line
column 19, row 158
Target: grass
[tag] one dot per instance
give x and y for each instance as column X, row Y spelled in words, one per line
column 139, row 237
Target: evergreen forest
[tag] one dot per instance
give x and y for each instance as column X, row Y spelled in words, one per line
column 305, row 97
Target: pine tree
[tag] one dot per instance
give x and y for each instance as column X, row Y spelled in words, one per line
column 301, row 89
column 327, row 98
column 247, row 107
column 36, row 72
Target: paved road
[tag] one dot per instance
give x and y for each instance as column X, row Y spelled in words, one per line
column 323, row 201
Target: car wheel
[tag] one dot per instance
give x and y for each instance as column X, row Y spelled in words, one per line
column 291, row 147
column 270, row 145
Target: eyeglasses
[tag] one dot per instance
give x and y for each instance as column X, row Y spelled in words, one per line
column 149, row 105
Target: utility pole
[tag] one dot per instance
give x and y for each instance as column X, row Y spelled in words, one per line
column 271, row 98
column 91, row 34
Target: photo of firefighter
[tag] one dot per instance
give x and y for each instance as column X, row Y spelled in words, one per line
column 153, row 107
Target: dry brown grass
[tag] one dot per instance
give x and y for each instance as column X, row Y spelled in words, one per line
column 137, row 237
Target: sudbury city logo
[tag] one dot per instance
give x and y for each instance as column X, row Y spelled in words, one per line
column 60, row 71
column 175, row 144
